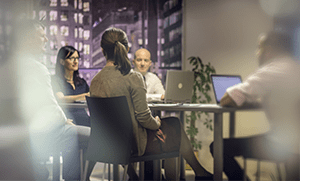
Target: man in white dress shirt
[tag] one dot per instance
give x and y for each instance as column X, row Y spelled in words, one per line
column 276, row 85
column 142, row 63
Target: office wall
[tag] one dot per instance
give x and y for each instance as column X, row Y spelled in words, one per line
column 224, row 32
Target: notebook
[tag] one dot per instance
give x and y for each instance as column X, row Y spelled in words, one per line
column 222, row 82
column 179, row 85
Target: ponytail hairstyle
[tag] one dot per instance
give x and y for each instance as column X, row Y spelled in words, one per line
column 115, row 45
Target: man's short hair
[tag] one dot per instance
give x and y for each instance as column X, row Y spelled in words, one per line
column 279, row 41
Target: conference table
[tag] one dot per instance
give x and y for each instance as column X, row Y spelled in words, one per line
column 210, row 108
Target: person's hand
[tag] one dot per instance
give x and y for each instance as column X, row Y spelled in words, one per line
column 70, row 122
column 162, row 97
column 82, row 97
column 159, row 120
column 227, row 101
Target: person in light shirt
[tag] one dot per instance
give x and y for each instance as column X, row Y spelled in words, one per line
column 276, row 85
column 142, row 63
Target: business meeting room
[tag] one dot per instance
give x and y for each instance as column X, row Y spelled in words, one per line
column 100, row 90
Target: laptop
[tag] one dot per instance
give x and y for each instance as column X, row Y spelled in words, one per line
column 222, row 82
column 179, row 85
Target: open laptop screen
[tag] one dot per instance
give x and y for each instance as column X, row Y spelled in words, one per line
column 222, row 82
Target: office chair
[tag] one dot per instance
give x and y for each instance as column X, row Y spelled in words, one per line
column 112, row 135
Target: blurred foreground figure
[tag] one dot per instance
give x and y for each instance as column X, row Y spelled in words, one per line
column 276, row 86
column 37, row 125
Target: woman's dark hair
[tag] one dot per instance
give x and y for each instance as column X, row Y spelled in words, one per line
column 115, row 45
column 64, row 53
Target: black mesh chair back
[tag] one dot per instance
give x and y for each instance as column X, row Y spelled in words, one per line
column 112, row 135
column 111, row 130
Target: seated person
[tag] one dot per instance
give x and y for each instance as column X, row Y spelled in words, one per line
column 142, row 63
column 276, row 84
column 69, row 86
column 117, row 79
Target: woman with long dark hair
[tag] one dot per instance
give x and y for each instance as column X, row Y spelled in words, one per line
column 69, row 86
column 117, row 79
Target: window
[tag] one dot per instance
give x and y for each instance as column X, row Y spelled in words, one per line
column 76, row 45
column 42, row 15
column 80, row 46
column 86, row 34
column 86, row 49
column 80, row 18
column 75, row 4
column 64, row 16
column 86, row 20
column 64, row 2
column 53, row 15
column 64, row 30
column 140, row 41
column 80, row 4
column 63, row 43
column 75, row 17
column 86, row 6
column 53, row 3
column 76, row 32
column 80, row 32
column 53, row 45
column 86, row 63
column 53, row 30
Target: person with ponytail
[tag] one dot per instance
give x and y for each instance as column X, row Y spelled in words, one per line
column 117, row 79
column 68, row 86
